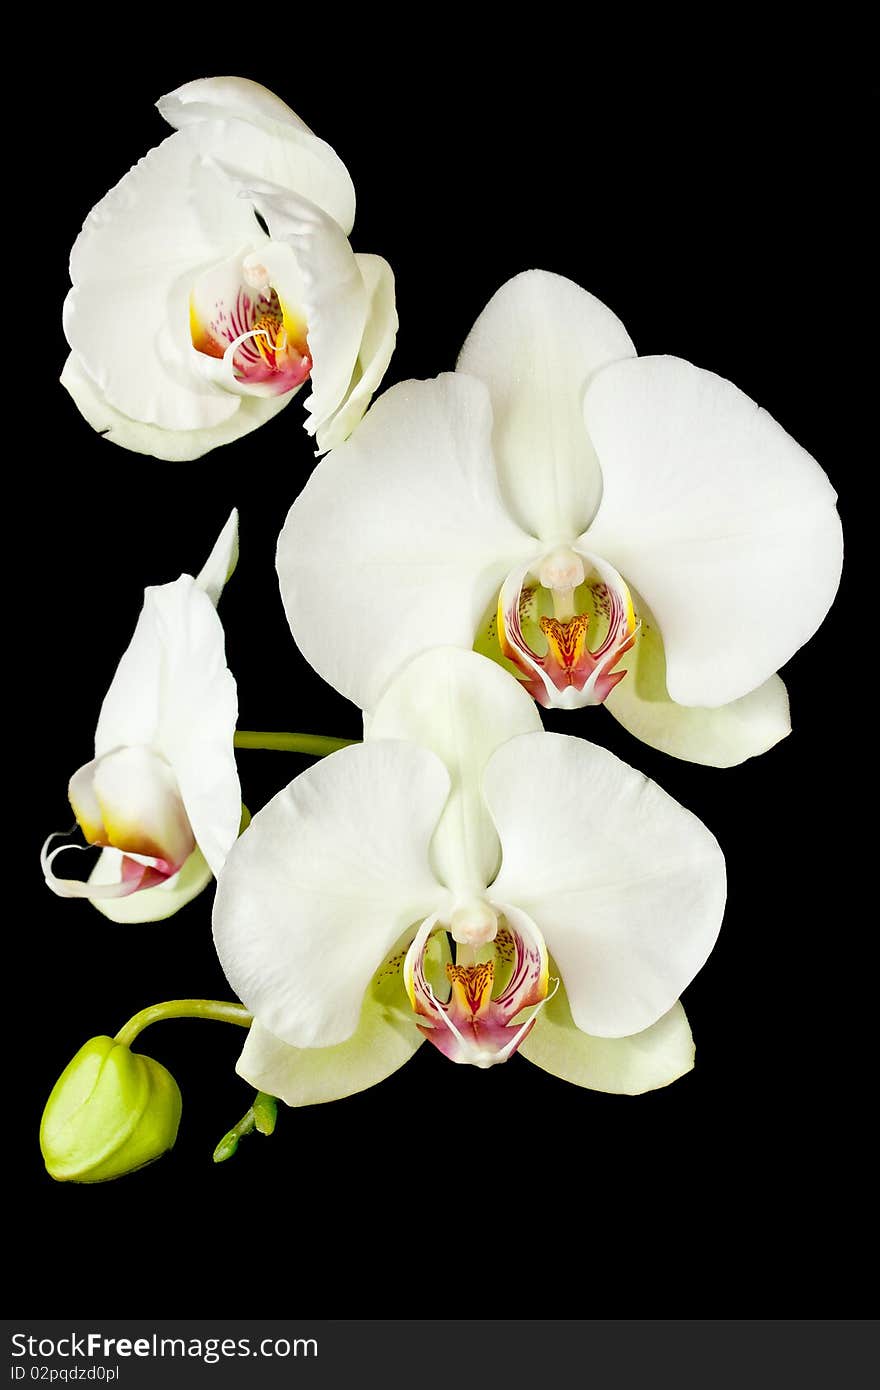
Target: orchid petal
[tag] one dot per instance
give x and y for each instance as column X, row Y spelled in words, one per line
column 377, row 346
column 149, row 904
column 385, row 1038
column 626, row 886
column 462, row 707
column 323, row 882
column 175, row 446
column 127, row 316
column 720, row 737
column 173, row 692
column 239, row 122
column 220, row 565
column 399, row 540
column 714, row 514
column 536, row 345
column 622, row 1066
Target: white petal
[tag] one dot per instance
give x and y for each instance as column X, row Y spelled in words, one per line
column 220, row 564
column 323, row 882
column 621, row 1066
column 321, row 272
column 151, row 904
column 536, row 345
column 720, row 737
column 242, row 123
column 377, row 346
column 173, row 691
column 626, row 886
column 461, row 706
column 399, row 540
column 723, row 523
column 176, row 446
column 132, row 267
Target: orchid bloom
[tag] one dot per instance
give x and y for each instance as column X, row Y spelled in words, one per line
column 161, row 796
column 613, row 529
column 217, row 277
column 579, row 897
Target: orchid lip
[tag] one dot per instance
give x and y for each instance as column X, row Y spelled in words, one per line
column 239, row 322
column 138, row 871
column 473, row 1025
column 127, row 800
column 551, row 650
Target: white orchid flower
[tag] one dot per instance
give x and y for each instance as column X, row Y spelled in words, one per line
column 620, row 529
column 458, row 816
column 190, row 320
column 161, row 795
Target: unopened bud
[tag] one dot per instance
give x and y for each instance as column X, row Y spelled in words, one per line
column 111, row 1111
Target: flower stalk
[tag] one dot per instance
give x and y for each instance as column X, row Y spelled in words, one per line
column 218, row 1009
column 315, row 745
column 260, row 1117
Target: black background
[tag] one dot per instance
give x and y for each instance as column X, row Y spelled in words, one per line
column 713, row 201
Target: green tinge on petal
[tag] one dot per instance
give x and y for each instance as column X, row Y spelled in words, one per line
column 110, row 1112
column 176, row 446
column 720, row 737
column 152, row 904
column 384, row 1040
column 620, row 1066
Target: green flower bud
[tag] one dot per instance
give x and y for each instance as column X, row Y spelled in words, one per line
column 111, row 1111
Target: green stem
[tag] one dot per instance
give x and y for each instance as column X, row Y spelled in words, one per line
column 217, row 1009
column 229, row 1143
column 260, row 1117
column 317, row 745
